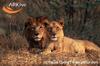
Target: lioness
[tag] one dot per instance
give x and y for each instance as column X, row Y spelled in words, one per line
column 35, row 32
column 60, row 43
column 56, row 36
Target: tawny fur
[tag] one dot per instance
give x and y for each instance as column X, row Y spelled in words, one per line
column 37, row 26
column 78, row 46
column 66, row 44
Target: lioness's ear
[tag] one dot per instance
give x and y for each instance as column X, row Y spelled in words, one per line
column 61, row 21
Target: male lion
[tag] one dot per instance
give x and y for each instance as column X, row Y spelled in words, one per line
column 36, row 33
column 60, row 43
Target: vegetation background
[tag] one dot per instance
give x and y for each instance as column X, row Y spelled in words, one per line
column 82, row 17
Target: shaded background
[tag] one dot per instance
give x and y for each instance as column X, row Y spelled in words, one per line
column 82, row 17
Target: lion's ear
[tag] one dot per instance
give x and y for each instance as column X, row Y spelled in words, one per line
column 44, row 21
column 31, row 19
column 61, row 21
column 41, row 18
column 28, row 21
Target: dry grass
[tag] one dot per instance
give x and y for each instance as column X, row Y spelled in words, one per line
column 13, row 52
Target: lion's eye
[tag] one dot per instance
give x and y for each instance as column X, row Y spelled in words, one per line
column 58, row 28
column 33, row 28
column 41, row 26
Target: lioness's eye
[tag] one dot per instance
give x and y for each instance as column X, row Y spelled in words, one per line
column 58, row 28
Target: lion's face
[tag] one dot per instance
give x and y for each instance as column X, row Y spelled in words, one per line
column 55, row 30
column 36, row 30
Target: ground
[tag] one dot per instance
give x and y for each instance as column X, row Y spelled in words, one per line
column 13, row 52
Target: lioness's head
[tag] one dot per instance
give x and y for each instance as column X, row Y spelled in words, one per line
column 55, row 29
column 35, row 28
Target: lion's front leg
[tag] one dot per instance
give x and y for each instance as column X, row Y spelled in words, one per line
column 48, row 50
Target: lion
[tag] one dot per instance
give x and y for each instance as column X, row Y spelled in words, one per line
column 79, row 46
column 60, row 43
column 55, row 35
column 35, row 32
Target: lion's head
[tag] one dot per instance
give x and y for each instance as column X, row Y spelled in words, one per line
column 35, row 32
column 55, row 29
column 35, row 28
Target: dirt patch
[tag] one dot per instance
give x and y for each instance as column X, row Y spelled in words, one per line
column 13, row 52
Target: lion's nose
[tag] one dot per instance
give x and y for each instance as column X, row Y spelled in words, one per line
column 36, row 34
column 53, row 34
